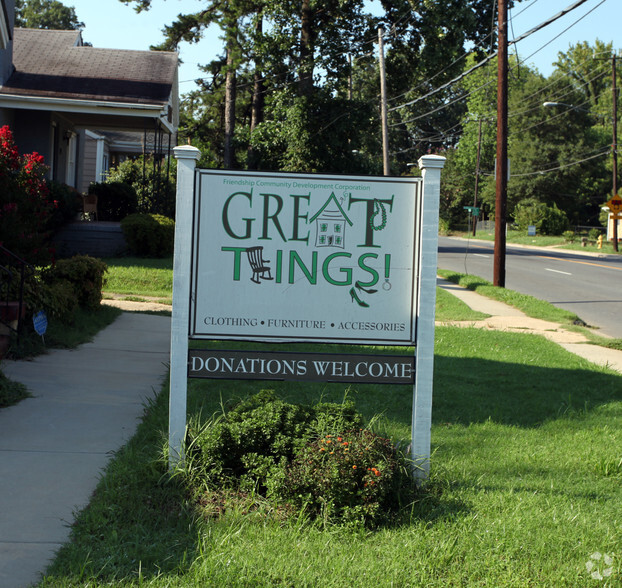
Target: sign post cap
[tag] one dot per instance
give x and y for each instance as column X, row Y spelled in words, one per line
column 186, row 152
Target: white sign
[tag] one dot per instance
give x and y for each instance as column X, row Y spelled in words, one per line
column 290, row 257
column 305, row 257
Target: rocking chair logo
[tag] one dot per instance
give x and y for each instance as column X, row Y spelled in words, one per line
column 304, row 242
column 259, row 265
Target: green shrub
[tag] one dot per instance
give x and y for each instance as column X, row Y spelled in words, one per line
column 149, row 235
column 154, row 184
column 443, row 226
column 67, row 203
column 316, row 459
column 241, row 449
column 569, row 236
column 548, row 220
column 356, row 476
column 593, row 234
column 115, row 200
column 85, row 275
column 555, row 221
column 57, row 299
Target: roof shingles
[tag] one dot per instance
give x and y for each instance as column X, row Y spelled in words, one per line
column 49, row 64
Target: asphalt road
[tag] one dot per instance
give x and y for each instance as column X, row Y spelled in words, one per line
column 589, row 286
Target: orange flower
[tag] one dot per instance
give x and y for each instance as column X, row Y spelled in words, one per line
column 353, row 467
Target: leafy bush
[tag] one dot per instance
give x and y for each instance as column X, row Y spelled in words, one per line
column 66, row 200
column 56, row 297
column 555, row 221
column 356, row 476
column 115, row 200
column 593, row 234
column 61, row 289
column 548, row 220
column 154, row 185
column 25, row 207
column 569, row 236
column 317, row 459
column 149, row 235
column 84, row 274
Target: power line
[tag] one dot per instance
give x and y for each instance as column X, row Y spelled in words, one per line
column 551, row 20
column 551, row 169
column 479, row 45
column 493, row 55
column 561, row 33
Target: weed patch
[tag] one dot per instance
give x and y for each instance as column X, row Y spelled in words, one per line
column 11, row 392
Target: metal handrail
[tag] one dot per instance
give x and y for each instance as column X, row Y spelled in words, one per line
column 14, row 261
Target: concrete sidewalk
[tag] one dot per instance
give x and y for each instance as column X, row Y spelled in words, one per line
column 508, row 318
column 53, row 447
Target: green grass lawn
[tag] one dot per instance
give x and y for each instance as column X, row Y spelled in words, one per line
column 531, row 306
column 525, row 487
column 138, row 276
column 449, row 308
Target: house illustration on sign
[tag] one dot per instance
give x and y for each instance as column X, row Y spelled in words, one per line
column 330, row 221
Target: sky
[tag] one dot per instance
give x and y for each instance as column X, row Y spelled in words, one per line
column 112, row 24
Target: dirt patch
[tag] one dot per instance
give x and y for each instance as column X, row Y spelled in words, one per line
column 137, row 306
column 523, row 324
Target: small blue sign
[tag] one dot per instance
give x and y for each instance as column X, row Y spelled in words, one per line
column 40, row 322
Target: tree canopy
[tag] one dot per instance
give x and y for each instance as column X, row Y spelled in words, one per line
column 312, row 66
column 296, row 88
column 46, row 14
column 559, row 138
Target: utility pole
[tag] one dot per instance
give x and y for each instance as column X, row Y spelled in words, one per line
column 383, row 101
column 479, row 149
column 502, row 147
column 614, row 149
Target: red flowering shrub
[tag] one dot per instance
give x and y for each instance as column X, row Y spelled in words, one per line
column 356, row 476
column 25, row 208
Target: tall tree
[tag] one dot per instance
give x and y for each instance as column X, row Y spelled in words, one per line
column 229, row 16
column 311, row 66
column 46, row 14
